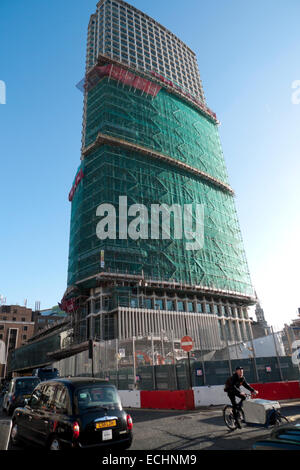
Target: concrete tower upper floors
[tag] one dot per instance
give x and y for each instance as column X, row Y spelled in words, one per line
column 126, row 34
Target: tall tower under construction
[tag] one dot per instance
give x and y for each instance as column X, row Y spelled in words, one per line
column 150, row 141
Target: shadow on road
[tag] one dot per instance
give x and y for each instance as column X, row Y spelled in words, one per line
column 142, row 415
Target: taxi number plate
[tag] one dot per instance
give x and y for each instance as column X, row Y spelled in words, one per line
column 107, row 434
column 106, row 424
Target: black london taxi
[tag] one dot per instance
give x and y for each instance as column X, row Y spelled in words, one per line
column 19, row 389
column 77, row 412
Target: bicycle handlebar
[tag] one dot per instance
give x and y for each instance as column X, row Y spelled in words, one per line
column 249, row 395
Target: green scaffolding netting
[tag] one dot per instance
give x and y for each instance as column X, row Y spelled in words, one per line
column 165, row 124
column 170, row 126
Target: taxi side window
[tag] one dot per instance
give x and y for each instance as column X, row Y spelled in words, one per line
column 35, row 400
column 47, row 398
column 61, row 400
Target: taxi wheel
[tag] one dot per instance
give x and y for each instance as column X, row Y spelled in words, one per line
column 54, row 444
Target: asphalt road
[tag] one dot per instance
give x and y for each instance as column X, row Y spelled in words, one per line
column 188, row 430
column 195, row 430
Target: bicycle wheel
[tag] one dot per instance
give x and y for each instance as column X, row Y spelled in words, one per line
column 228, row 418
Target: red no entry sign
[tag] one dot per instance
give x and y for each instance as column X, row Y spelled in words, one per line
column 186, row 343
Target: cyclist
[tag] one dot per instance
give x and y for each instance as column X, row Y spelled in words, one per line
column 232, row 388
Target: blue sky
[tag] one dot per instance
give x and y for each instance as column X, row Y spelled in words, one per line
column 248, row 56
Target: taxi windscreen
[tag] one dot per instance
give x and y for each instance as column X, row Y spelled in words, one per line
column 95, row 396
column 26, row 385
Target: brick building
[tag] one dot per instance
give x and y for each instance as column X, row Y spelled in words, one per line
column 16, row 327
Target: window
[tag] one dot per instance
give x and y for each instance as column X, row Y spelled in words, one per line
column 12, row 338
column 170, row 305
column 227, row 331
column 1, row 336
column 109, row 326
column 47, row 398
column 35, row 400
column 199, row 307
column 23, row 319
column 190, row 307
column 180, row 306
column 26, row 385
column 134, row 302
column 24, row 337
column 106, row 303
column 97, row 305
column 208, row 308
column 61, row 402
column 96, row 395
column 1, row 327
column 148, row 303
column 158, row 304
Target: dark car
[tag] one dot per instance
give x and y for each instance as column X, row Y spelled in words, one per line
column 19, row 389
column 46, row 373
column 285, row 437
column 73, row 413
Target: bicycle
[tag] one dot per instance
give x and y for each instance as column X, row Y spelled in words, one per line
column 274, row 417
column 229, row 418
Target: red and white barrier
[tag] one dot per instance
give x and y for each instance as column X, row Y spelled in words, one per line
column 203, row 396
column 130, row 398
column 168, row 400
column 278, row 390
column 210, row 395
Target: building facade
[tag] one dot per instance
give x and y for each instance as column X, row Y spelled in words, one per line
column 152, row 157
column 16, row 327
column 120, row 31
column 46, row 318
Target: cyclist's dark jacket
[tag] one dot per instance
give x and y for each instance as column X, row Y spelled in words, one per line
column 235, row 382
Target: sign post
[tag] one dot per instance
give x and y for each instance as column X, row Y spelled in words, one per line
column 187, row 345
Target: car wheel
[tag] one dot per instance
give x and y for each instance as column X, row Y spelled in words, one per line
column 54, row 444
column 14, row 434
